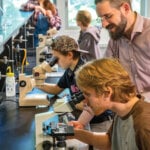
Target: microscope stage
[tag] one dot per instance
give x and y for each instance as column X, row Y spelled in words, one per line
column 34, row 100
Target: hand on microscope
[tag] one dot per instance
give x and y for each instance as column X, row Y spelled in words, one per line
column 76, row 124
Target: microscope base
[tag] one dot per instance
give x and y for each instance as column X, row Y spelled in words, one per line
column 40, row 137
column 34, row 100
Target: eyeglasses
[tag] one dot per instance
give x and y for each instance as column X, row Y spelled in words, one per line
column 105, row 17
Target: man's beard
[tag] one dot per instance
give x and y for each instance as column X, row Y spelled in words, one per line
column 119, row 29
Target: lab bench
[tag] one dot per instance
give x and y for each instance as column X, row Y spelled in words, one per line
column 17, row 124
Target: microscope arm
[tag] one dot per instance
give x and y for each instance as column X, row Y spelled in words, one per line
column 39, row 72
column 27, row 83
column 67, row 103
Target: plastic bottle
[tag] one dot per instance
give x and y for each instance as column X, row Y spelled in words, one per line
column 10, row 83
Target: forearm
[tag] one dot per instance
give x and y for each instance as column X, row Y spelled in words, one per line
column 43, row 11
column 55, row 21
column 98, row 140
column 30, row 6
column 38, row 8
column 50, row 88
column 86, row 116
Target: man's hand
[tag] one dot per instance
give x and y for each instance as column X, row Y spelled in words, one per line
column 49, row 13
column 76, row 124
column 41, row 9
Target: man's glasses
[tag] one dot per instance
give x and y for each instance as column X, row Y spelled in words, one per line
column 105, row 17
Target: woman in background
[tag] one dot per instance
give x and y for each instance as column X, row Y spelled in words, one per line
column 45, row 17
column 89, row 35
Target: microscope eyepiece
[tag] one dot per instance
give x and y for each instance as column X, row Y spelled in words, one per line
column 53, row 61
column 77, row 97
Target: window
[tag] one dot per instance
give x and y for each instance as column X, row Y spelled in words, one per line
column 75, row 5
column 53, row 1
column 136, row 5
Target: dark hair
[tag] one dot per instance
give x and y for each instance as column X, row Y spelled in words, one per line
column 76, row 54
column 114, row 3
column 65, row 44
column 48, row 5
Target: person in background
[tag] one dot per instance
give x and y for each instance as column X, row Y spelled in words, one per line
column 67, row 51
column 107, row 85
column 45, row 17
column 129, row 40
column 89, row 35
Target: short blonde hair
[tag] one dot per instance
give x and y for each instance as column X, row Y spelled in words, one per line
column 103, row 73
column 84, row 17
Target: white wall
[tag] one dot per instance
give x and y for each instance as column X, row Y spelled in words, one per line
column 147, row 8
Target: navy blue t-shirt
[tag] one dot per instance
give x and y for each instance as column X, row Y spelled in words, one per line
column 68, row 79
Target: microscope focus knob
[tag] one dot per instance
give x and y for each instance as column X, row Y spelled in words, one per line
column 36, row 74
column 46, row 145
column 22, row 83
